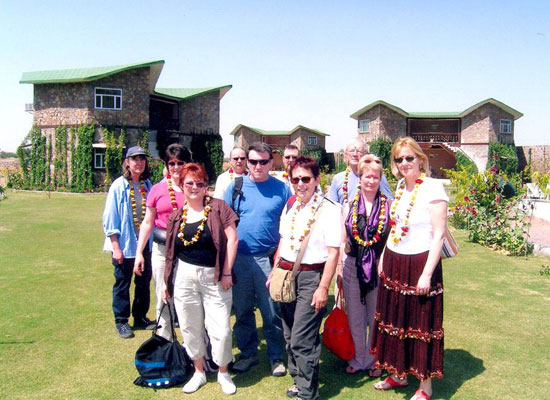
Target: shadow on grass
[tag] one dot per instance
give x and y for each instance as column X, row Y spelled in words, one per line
column 460, row 366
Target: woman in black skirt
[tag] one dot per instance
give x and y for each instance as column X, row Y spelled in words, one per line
column 408, row 321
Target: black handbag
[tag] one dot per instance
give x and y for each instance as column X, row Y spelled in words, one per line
column 159, row 236
column 161, row 363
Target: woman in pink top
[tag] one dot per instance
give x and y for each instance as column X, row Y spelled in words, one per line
column 164, row 198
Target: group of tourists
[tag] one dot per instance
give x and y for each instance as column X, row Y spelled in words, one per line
column 211, row 255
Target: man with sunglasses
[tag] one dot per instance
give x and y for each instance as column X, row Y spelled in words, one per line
column 290, row 153
column 344, row 184
column 237, row 162
column 259, row 207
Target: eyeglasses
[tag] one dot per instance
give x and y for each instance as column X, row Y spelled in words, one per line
column 290, row 157
column 261, row 162
column 356, row 151
column 190, row 184
column 399, row 160
column 239, row 158
column 305, row 179
column 174, row 163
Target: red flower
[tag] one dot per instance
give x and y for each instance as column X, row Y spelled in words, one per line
column 392, row 222
column 419, row 181
column 466, row 198
column 404, row 229
column 377, row 237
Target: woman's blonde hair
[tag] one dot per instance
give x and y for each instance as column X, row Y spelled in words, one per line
column 413, row 145
column 370, row 161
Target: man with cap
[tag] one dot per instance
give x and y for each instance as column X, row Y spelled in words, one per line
column 237, row 160
column 122, row 217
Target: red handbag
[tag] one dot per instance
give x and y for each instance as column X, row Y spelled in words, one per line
column 336, row 333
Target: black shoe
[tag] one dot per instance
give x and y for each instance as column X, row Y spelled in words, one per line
column 124, row 330
column 144, row 323
column 243, row 364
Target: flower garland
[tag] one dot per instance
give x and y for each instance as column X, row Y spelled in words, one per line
column 308, row 225
column 195, row 237
column 232, row 171
column 399, row 193
column 345, row 187
column 171, row 193
column 137, row 221
column 381, row 220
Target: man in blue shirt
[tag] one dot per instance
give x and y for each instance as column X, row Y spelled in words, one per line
column 259, row 207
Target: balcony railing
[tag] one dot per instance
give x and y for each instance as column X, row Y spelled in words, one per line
column 429, row 137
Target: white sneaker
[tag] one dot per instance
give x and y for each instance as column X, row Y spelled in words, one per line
column 197, row 380
column 225, row 381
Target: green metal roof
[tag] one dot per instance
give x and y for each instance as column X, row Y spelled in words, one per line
column 188, row 93
column 83, row 74
column 516, row 114
column 263, row 132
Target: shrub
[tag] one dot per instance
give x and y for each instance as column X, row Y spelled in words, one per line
column 382, row 148
column 504, row 157
column 464, row 162
column 156, row 167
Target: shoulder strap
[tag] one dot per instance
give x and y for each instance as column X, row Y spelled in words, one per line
column 290, row 202
column 237, row 192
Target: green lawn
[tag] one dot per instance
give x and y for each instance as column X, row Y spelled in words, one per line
column 57, row 336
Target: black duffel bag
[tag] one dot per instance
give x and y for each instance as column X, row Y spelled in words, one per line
column 161, row 363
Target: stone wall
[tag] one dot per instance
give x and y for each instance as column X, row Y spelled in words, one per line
column 540, row 158
column 384, row 123
column 483, row 126
column 73, row 103
column 299, row 138
column 244, row 137
column 200, row 114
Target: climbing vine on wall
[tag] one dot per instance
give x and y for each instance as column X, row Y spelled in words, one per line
column 143, row 139
column 82, row 158
column 504, row 157
column 38, row 158
column 207, row 150
column 60, row 157
column 49, row 163
column 114, row 153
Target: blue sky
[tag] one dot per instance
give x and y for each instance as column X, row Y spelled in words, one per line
column 294, row 62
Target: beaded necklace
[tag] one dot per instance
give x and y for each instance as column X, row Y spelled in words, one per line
column 405, row 225
column 381, row 220
column 171, row 193
column 143, row 192
column 195, row 237
column 345, row 187
column 310, row 221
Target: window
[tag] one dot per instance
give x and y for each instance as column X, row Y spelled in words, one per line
column 99, row 158
column 364, row 126
column 312, row 140
column 108, row 99
column 505, row 126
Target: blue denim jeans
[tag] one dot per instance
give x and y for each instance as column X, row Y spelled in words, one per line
column 249, row 289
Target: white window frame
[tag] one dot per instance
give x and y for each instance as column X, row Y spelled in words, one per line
column 100, row 96
column 99, row 158
column 312, row 140
column 366, row 128
column 506, row 126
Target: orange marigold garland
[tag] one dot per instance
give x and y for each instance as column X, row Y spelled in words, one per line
column 232, row 172
column 405, row 226
column 143, row 192
column 310, row 221
column 381, row 221
column 196, row 236
column 345, row 187
column 171, row 193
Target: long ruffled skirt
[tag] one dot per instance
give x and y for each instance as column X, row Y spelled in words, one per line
column 408, row 328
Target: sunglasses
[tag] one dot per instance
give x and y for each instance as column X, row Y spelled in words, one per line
column 399, row 160
column 305, row 179
column 190, row 184
column 290, row 157
column 239, row 158
column 174, row 163
column 261, row 162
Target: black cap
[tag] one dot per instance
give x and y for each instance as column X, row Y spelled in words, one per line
column 135, row 151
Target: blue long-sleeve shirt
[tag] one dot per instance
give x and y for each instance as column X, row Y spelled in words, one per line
column 117, row 216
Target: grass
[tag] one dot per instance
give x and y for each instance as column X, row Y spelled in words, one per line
column 57, row 336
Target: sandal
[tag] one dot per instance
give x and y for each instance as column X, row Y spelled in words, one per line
column 374, row 372
column 389, row 383
column 420, row 395
column 350, row 370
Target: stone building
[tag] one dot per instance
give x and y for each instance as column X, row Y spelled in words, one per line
column 442, row 134
column 123, row 97
column 301, row 136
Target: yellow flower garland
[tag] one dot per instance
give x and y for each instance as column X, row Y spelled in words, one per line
column 137, row 221
column 310, row 221
column 381, row 220
column 171, row 193
column 405, row 226
column 345, row 187
column 196, row 236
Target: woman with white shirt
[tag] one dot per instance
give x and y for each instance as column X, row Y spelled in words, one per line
column 409, row 316
column 302, row 318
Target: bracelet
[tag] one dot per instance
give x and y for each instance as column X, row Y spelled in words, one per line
column 227, row 275
column 323, row 286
